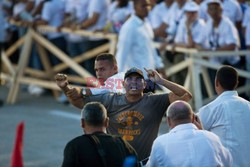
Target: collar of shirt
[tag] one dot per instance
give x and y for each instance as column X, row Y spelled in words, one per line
column 183, row 127
column 229, row 93
column 137, row 20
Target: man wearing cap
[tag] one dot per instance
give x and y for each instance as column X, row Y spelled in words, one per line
column 189, row 31
column 134, row 115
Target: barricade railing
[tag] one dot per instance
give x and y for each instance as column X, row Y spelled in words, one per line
column 197, row 62
column 20, row 73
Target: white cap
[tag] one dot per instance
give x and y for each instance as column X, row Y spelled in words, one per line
column 191, row 6
column 214, row 1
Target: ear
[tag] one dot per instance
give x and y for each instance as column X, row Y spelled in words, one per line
column 82, row 123
column 106, row 122
column 116, row 68
column 169, row 122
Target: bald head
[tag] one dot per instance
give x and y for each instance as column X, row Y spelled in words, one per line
column 180, row 111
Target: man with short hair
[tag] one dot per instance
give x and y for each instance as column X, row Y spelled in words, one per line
column 108, row 78
column 185, row 145
column 135, row 42
column 228, row 116
column 85, row 150
column 134, row 115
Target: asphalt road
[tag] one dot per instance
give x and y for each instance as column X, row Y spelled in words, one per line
column 49, row 125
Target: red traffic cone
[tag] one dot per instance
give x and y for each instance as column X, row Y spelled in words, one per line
column 17, row 159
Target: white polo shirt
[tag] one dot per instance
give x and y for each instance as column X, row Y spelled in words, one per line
column 225, row 34
column 160, row 12
column 100, row 7
column 196, row 27
column 228, row 117
column 186, row 146
column 53, row 13
column 135, row 46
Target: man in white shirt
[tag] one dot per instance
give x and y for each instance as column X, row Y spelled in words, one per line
column 231, row 9
column 228, row 116
column 220, row 34
column 189, row 31
column 186, row 145
column 159, row 13
column 108, row 79
column 135, row 43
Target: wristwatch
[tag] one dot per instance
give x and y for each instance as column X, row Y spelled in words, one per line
column 84, row 92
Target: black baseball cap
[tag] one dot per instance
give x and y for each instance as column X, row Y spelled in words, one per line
column 134, row 70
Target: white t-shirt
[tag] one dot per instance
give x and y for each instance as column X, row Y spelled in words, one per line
column 100, row 7
column 159, row 13
column 53, row 13
column 18, row 8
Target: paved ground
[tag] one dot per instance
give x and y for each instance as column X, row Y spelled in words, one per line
column 48, row 127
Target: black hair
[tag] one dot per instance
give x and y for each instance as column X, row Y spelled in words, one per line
column 107, row 56
column 227, row 76
column 94, row 113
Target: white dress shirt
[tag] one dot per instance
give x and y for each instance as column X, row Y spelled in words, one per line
column 228, row 117
column 186, row 146
column 135, row 46
column 224, row 34
column 113, row 84
column 53, row 13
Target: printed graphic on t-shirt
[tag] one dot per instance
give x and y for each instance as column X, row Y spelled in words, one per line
column 130, row 121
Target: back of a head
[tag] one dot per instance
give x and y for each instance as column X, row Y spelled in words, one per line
column 107, row 56
column 180, row 111
column 94, row 114
column 227, row 76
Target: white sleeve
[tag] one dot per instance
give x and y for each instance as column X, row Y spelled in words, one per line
column 232, row 36
column 99, row 5
column 239, row 13
column 248, row 35
column 179, row 38
column 200, row 35
column 46, row 12
column 124, row 46
column 206, row 117
column 153, row 162
column 158, row 60
column 246, row 18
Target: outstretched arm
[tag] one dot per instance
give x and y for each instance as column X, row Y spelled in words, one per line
column 178, row 92
column 74, row 94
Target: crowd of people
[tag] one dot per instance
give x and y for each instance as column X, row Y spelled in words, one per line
column 215, row 136
column 202, row 24
column 123, row 104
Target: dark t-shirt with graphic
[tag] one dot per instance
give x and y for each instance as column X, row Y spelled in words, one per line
column 138, row 122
